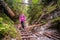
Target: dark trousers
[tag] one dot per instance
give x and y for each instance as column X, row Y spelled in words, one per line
column 22, row 24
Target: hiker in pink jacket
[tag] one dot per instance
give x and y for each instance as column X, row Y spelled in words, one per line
column 22, row 19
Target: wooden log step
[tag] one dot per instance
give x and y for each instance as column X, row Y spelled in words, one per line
column 50, row 36
column 25, row 37
column 24, row 34
column 54, row 35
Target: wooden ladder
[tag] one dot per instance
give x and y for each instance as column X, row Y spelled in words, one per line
column 26, row 36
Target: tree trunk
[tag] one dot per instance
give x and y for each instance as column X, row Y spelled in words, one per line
column 8, row 10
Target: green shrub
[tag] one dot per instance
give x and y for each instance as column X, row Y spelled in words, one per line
column 7, row 29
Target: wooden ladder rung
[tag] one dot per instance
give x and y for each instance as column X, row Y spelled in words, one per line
column 25, row 37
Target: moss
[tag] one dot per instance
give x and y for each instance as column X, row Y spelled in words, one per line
column 51, row 8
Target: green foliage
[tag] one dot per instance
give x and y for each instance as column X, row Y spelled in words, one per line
column 43, row 22
column 1, row 20
column 15, row 5
column 34, row 12
column 7, row 29
column 6, row 18
column 55, row 19
column 35, row 1
column 58, row 2
column 51, row 8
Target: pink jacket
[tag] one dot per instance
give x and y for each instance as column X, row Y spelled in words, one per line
column 22, row 18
